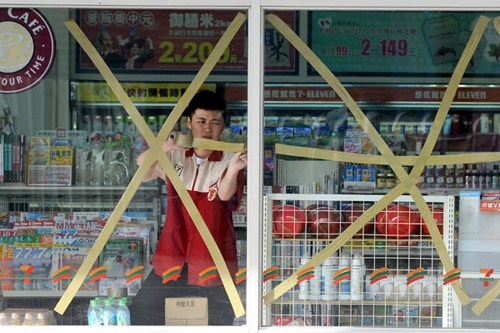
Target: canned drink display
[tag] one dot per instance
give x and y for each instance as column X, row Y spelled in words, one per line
column 129, row 126
column 87, row 123
column 152, row 122
column 107, row 123
column 97, row 123
column 119, row 124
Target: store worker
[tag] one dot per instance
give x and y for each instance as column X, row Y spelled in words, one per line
column 214, row 180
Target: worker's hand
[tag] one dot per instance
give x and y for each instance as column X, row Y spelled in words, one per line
column 170, row 144
column 238, row 162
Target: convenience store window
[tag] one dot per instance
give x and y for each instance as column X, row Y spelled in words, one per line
column 309, row 216
column 380, row 181
column 85, row 95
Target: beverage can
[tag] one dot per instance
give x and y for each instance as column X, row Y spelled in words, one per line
column 119, row 124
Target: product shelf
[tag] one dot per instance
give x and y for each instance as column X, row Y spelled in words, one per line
column 300, row 227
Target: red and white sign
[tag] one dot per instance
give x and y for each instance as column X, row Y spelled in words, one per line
column 376, row 94
column 27, row 48
column 490, row 206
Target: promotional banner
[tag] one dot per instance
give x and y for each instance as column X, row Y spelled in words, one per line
column 176, row 41
column 401, row 43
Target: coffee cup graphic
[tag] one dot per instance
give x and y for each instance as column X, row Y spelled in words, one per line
column 16, row 47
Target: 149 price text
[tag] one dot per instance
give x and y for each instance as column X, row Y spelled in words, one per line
column 389, row 47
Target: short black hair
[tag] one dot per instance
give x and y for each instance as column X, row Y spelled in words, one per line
column 207, row 100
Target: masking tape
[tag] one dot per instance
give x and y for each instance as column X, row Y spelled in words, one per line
column 496, row 23
column 103, row 237
column 189, row 141
column 487, row 299
column 408, row 181
column 331, row 248
column 333, row 155
column 155, row 150
column 183, row 140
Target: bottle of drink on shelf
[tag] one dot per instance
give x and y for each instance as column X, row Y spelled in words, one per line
column 356, row 278
column 41, row 319
column 122, row 313
column 4, row 319
column 344, row 286
column 15, row 319
column 29, row 319
column 93, row 314
column 109, row 313
column 329, row 291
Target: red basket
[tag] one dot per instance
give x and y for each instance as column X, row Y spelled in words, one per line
column 288, row 220
column 352, row 213
column 323, row 220
column 398, row 221
column 438, row 215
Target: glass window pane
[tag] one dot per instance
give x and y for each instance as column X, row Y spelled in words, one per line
column 85, row 94
column 373, row 154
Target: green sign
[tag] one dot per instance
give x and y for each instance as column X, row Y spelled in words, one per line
column 402, row 43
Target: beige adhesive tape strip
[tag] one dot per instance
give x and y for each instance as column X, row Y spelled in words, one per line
column 449, row 95
column 437, row 239
column 101, row 240
column 183, row 140
column 430, row 143
column 333, row 155
column 218, row 145
column 188, row 141
column 496, row 23
column 327, row 75
column 155, row 150
column 335, row 245
column 487, row 299
column 407, row 181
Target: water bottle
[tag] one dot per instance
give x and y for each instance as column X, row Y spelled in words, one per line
column 344, row 286
column 356, row 279
column 4, row 319
column 93, row 314
column 329, row 268
column 122, row 313
column 15, row 320
column 109, row 313
column 29, row 319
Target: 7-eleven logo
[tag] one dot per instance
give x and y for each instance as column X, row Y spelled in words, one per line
column 487, row 276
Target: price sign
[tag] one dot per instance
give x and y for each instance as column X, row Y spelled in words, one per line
column 401, row 43
column 193, row 52
column 175, row 40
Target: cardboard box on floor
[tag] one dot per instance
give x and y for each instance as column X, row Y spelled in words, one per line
column 186, row 311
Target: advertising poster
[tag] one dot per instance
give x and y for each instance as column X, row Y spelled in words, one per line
column 402, row 43
column 176, row 41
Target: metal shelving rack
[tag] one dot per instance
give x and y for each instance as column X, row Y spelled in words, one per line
column 48, row 199
column 391, row 302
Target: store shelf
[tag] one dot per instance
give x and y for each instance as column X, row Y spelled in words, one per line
column 44, row 294
column 304, row 231
column 23, row 189
column 359, row 303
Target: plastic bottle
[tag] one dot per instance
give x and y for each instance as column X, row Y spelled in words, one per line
column 315, row 284
column 109, row 313
column 344, row 285
column 122, row 313
column 93, row 314
column 15, row 319
column 356, row 279
column 4, row 319
column 495, row 178
column 41, row 319
column 329, row 289
column 29, row 319
column 304, row 285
